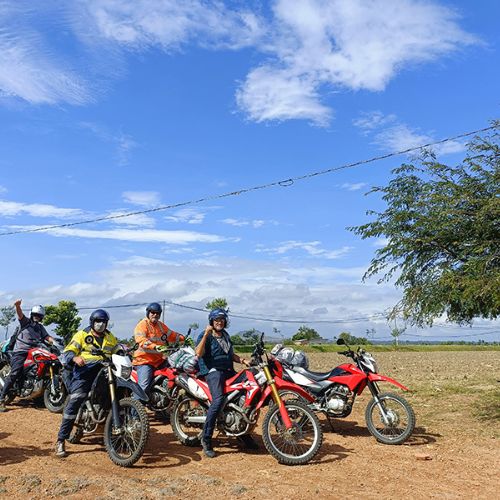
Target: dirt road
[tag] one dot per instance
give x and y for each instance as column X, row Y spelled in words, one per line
column 454, row 452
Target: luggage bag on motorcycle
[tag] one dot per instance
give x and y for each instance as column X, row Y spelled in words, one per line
column 184, row 359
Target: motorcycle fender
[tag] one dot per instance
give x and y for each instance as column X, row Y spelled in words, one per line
column 375, row 377
column 135, row 388
column 284, row 385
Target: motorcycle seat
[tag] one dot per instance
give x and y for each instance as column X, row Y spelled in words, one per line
column 317, row 376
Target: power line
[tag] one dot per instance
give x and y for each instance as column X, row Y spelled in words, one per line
column 374, row 316
column 283, row 183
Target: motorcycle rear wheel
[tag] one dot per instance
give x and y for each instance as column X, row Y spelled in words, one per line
column 298, row 445
column 126, row 445
column 188, row 435
column 401, row 414
column 55, row 402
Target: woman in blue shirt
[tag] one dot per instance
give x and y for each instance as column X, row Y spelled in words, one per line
column 216, row 356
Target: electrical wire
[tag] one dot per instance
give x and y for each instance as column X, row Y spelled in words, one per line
column 282, row 183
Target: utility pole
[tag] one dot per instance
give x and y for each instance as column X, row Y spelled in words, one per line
column 163, row 312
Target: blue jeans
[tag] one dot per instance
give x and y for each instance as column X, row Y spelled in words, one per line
column 81, row 382
column 16, row 370
column 216, row 381
column 145, row 376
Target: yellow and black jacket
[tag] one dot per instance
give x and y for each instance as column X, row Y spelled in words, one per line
column 79, row 347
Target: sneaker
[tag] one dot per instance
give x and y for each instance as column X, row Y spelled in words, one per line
column 3, row 409
column 60, row 449
column 247, row 441
column 207, row 447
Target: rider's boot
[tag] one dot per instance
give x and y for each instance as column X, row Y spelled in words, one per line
column 61, row 449
column 3, row 409
column 208, row 449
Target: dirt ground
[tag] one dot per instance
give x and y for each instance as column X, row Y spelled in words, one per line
column 453, row 453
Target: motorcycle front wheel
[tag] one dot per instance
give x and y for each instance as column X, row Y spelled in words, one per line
column 189, row 434
column 399, row 423
column 295, row 446
column 125, row 445
column 54, row 402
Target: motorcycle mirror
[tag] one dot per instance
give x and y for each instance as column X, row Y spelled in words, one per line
column 341, row 342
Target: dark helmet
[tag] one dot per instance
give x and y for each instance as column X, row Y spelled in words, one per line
column 98, row 315
column 153, row 307
column 217, row 314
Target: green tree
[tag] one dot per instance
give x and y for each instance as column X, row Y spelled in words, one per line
column 442, row 227
column 65, row 316
column 217, row 303
column 353, row 340
column 306, row 333
column 396, row 333
column 237, row 340
column 7, row 314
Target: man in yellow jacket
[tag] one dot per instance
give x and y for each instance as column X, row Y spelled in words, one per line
column 149, row 334
column 86, row 366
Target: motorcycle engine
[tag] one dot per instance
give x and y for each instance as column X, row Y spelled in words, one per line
column 337, row 400
column 234, row 423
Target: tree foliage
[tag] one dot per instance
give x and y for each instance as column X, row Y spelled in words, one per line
column 442, row 227
column 306, row 333
column 217, row 303
column 353, row 340
column 7, row 314
column 65, row 316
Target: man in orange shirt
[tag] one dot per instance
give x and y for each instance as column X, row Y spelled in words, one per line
column 151, row 333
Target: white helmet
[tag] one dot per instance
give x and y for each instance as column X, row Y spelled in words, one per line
column 40, row 310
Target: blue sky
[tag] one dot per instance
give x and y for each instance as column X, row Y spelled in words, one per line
column 111, row 106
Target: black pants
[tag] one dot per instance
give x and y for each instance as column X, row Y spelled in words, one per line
column 81, row 383
column 216, row 381
column 16, row 369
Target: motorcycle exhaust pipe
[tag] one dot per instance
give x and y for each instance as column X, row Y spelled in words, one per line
column 196, row 420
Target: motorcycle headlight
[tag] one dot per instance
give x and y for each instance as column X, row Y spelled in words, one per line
column 126, row 371
column 369, row 362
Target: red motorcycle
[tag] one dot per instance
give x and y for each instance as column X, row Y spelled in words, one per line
column 290, row 430
column 389, row 417
column 163, row 391
column 41, row 377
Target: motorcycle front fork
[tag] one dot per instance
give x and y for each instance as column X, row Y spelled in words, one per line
column 375, row 392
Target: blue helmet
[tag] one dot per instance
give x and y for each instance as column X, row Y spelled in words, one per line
column 98, row 315
column 153, row 307
column 216, row 314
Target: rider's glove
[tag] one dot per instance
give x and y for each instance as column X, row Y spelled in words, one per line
column 189, row 342
column 161, row 348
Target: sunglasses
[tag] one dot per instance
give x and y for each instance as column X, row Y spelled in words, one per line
column 154, row 313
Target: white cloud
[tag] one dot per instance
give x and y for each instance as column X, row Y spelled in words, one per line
column 3, row 189
column 339, row 44
column 28, row 70
column 142, row 220
column 353, row 186
column 170, row 24
column 400, row 137
column 256, row 223
column 390, row 134
column 313, row 248
column 373, row 120
column 123, row 143
column 188, row 215
column 257, row 288
column 142, row 198
column 137, row 235
column 273, row 94
column 13, row 208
